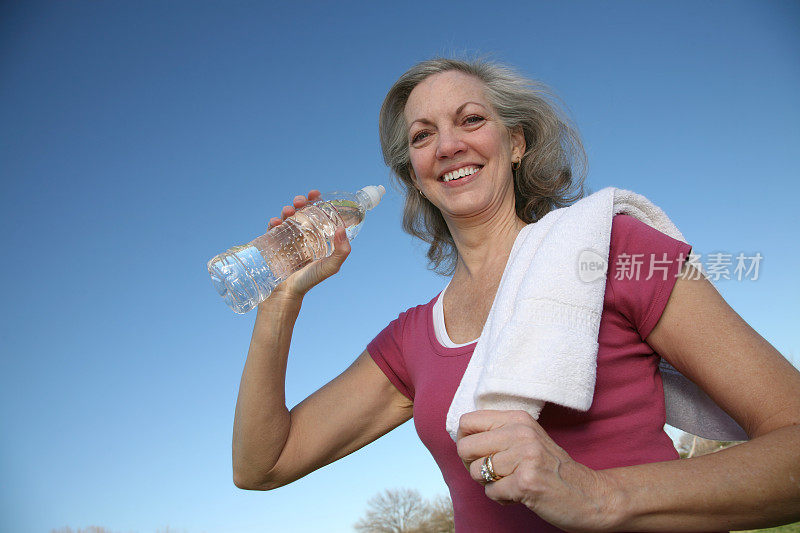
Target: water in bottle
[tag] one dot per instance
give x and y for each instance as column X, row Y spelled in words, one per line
column 245, row 275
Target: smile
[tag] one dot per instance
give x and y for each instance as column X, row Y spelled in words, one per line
column 460, row 173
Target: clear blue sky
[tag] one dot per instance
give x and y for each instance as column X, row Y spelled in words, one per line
column 139, row 139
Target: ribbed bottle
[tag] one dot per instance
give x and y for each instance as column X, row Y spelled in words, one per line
column 244, row 276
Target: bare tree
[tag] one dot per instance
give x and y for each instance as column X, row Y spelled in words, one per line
column 393, row 511
column 440, row 516
column 405, row 511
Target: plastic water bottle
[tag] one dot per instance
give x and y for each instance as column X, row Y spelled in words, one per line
column 245, row 275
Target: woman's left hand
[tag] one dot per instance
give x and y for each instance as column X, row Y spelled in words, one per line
column 534, row 471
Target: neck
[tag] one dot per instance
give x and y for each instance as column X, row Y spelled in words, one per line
column 484, row 243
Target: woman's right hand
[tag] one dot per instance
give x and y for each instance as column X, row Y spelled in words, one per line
column 299, row 283
column 272, row 446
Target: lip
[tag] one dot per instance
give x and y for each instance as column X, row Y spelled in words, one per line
column 461, row 181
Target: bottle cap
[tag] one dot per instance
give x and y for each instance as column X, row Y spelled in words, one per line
column 374, row 194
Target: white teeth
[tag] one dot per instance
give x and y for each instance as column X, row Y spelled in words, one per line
column 460, row 173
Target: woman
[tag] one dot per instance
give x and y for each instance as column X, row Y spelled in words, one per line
column 481, row 155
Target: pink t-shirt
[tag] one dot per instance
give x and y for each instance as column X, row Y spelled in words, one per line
column 625, row 424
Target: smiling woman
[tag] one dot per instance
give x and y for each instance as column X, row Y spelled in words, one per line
column 550, row 171
column 487, row 160
column 447, row 138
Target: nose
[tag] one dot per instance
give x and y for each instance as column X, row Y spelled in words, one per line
column 450, row 144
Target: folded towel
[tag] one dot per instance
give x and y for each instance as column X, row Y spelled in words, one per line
column 539, row 342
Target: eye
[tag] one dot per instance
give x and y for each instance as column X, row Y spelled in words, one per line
column 473, row 119
column 419, row 136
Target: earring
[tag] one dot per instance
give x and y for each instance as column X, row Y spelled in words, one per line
column 422, row 193
column 515, row 166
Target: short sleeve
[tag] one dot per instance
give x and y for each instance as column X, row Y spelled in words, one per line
column 386, row 349
column 643, row 267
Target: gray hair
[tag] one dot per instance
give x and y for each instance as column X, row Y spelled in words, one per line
column 544, row 180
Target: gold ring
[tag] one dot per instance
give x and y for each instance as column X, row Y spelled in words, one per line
column 487, row 470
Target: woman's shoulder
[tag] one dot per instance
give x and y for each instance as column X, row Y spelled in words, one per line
column 627, row 231
column 624, row 224
column 421, row 309
column 643, row 265
column 415, row 316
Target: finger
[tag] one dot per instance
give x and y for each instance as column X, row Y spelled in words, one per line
column 314, row 195
column 478, row 445
column 274, row 221
column 503, row 464
column 287, row 211
column 341, row 245
column 328, row 266
column 299, row 201
column 488, row 419
column 504, row 491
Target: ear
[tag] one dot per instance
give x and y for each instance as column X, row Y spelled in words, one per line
column 413, row 176
column 518, row 145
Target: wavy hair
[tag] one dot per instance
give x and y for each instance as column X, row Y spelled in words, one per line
column 545, row 179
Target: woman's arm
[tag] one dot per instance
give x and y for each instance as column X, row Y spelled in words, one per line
column 754, row 484
column 272, row 446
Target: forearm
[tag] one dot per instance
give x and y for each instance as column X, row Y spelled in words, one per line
column 755, row 484
column 261, row 423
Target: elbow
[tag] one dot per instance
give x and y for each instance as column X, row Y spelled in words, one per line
column 248, row 480
column 244, row 482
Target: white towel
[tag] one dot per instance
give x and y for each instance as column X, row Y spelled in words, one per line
column 539, row 342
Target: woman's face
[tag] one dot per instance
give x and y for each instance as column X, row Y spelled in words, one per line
column 461, row 153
